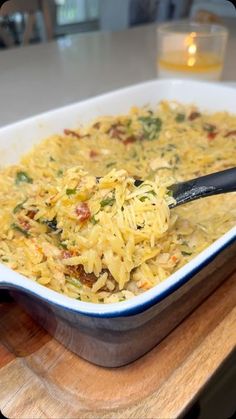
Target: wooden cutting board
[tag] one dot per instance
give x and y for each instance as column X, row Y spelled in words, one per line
column 39, row 378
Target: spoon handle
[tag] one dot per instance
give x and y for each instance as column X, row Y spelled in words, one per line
column 214, row 184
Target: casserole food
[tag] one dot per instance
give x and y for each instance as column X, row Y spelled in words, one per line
column 111, row 335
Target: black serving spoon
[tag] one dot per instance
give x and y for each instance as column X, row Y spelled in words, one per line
column 214, row 184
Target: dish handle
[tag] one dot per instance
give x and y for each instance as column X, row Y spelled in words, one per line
column 4, row 292
column 3, row 285
column 6, row 278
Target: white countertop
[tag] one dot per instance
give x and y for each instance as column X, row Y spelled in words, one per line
column 37, row 78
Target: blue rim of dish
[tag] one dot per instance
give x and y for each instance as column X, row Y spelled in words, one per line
column 139, row 308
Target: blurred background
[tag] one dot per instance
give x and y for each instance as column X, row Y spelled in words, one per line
column 31, row 21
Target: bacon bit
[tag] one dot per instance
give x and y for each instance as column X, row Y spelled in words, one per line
column 97, row 125
column 78, row 272
column 141, row 137
column 115, row 131
column 211, row 135
column 129, row 140
column 228, row 134
column 194, row 115
column 93, row 154
column 24, row 224
column 71, row 132
column 66, row 254
column 83, row 211
column 31, row 214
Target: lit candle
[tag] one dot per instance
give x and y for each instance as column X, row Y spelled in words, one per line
column 195, row 55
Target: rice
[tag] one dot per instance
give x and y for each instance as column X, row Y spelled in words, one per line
column 73, row 219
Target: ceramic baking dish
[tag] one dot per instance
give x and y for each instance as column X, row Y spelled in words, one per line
column 112, row 335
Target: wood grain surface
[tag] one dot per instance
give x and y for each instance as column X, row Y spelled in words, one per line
column 41, row 379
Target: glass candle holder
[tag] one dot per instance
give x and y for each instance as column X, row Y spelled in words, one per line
column 191, row 50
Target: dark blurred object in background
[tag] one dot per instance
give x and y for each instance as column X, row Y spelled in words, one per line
column 25, row 21
column 29, row 21
column 143, row 11
column 147, row 11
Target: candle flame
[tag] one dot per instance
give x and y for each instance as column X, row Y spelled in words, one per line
column 189, row 40
column 191, row 61
column 192, row 49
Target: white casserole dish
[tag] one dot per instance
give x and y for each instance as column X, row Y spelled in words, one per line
column 116, row 334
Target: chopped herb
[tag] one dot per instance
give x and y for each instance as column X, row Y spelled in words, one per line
column 71, row 191
column 152, row 193
column 5, row 260
column 107, row 201
column 170, row 146
column 18, row 207
column 101, row 300
column 63, row 245
column 122, row 298
column 180, row 117
column 74, row 282
column 51, row 158
column 78, row 298
column 184, row 253
column 93, row 220
column 170, row 192
column 134, row 154
column 112, row 163
column 177, row 158
column 59, row 172
column 209, row 127
column 23, row 177
column 16, row 227
column 151, row 126
column 142, row 198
